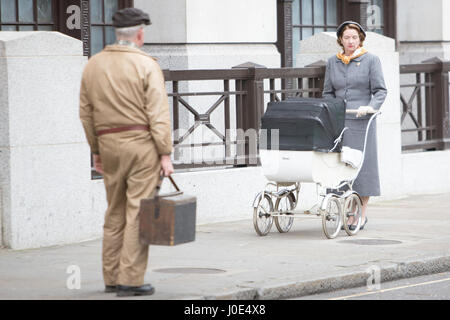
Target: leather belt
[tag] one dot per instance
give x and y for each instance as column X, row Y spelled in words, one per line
column 121, row 129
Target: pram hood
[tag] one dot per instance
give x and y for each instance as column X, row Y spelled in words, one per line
column 304, row 124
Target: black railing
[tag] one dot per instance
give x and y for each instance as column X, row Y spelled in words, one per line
column 425, row 105
column 243, row 92
column 246, row 89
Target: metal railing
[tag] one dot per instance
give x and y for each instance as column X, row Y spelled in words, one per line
column 246, row 89
column 244, row 92
column 180, row 100
column 425, row 109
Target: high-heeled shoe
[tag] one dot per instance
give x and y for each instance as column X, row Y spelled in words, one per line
column 365, row 221
column 353, row 227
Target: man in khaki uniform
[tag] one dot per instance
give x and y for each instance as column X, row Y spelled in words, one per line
column 125, row 115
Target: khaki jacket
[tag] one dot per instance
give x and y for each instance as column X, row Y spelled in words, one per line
column 124, row 86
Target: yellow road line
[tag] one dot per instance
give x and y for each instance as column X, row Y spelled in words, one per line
column 390, row 289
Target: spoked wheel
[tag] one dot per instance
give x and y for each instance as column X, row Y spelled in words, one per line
column 352, row 213
column 285, row 204
column 332, row 218
column 262, row 215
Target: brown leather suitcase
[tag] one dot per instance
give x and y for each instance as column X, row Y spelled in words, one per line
column 168, row 219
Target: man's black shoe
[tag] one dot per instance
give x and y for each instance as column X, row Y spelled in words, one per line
column 109, row 289
column 127, row 291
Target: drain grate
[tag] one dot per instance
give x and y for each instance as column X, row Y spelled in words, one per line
column 372, row 242
column 190, row 270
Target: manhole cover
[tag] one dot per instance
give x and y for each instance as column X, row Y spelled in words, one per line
column 190, row 270
column 372, row 242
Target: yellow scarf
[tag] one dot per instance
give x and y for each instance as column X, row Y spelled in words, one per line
column 346, row 59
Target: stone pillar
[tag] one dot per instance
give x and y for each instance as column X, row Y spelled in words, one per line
column 321, row 47
column 44, row 159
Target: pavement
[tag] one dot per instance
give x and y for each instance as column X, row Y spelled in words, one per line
column 403, row 238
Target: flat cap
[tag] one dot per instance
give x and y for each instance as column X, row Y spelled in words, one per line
column 130, row 17
column 341, row 27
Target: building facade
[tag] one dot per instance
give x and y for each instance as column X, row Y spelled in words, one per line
column 186, row 35
column 421, row 29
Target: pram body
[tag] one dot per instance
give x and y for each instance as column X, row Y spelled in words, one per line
column 304, row 145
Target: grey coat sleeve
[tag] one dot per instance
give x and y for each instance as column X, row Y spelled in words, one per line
column 377, row 85
column 328, row 90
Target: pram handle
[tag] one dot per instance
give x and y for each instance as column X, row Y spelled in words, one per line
column 355, row 111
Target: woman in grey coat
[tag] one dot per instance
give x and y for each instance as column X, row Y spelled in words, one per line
column 355, row 76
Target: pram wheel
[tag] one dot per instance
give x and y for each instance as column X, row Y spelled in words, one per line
column 262, row 215
column 283, row 206
column 352, row 210
column 331, row 217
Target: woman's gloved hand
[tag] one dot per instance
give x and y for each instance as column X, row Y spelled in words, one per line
column 364, row 110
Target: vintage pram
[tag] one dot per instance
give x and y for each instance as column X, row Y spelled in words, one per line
column 304, row 145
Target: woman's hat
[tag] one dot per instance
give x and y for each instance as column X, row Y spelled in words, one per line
column 341, row 27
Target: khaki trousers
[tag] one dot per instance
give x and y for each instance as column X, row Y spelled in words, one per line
column 131, row 169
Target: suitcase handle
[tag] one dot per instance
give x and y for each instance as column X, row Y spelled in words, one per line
column 157, row 196
column 158, row 186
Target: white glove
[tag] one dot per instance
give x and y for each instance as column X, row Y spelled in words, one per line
column 363, row 110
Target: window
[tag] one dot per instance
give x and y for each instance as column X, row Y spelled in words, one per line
column 27, row 15
column 101, row 29
column 310, row 17
column 300, row 19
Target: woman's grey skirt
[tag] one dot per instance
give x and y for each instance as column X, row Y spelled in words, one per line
column 368, row 182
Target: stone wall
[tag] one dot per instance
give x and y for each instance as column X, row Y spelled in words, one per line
column 423, row 30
